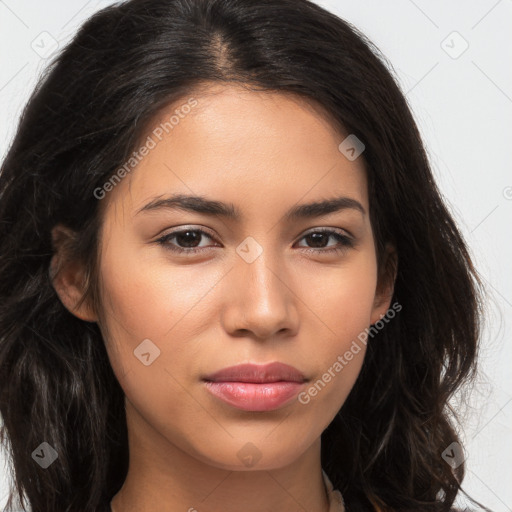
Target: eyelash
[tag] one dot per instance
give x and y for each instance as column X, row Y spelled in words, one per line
column 346, row 242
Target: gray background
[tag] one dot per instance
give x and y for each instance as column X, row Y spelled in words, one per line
column 462, row 101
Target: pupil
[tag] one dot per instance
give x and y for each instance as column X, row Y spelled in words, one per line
column 195, row 236
column 318, row 238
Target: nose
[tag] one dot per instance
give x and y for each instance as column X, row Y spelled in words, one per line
column 261, row 300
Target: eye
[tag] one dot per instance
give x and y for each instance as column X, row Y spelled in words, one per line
column 189, row 238
column 188, row 241
column 320, row 237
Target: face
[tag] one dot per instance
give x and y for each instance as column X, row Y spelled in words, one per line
column 187, row 292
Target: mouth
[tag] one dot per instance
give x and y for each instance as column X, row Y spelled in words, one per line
column 248, row 396
column 256, row 373
column 251, row 387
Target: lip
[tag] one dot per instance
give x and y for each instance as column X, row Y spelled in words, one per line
column 252, row 387
column 257, row 373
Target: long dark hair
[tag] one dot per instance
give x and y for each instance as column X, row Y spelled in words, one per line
column 84, row 120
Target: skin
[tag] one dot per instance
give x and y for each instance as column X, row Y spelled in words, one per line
column 265, row 153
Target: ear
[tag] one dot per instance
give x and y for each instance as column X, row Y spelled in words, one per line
column 68, row 275
column 385, row 283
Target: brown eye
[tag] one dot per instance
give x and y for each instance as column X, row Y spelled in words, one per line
column 319, row 240
column 186, row 240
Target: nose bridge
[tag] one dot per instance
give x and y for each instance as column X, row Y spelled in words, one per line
column 262, row 276
column 262, row 300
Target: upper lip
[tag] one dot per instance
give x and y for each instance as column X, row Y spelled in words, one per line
column 258, row 373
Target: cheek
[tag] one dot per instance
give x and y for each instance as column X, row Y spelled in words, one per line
column 342, row 298
column 342, row 302
column 151, row 299
column 142, row 295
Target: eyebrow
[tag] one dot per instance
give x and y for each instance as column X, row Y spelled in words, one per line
column 214, row 208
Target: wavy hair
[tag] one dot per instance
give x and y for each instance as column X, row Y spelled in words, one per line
column 84, row 119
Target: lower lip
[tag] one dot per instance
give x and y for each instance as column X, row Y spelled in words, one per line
column 250, row 396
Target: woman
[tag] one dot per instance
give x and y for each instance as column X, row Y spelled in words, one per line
column 228, row 278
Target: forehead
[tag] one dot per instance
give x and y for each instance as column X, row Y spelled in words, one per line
column 255, row 149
